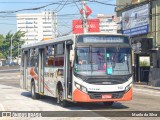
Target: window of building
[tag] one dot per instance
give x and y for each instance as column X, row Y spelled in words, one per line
column 28, row 22
column 47, row 35
column 29, row 27
column 46, row 18
column 109, row 20
column 46, row 22
column 47, row 31
column 29, row 18
column 47, row 27
column 21, row 27
column 20, row 23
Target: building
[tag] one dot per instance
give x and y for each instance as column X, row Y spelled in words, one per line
column 108, row 23
column 141, row 21
column 37, row 26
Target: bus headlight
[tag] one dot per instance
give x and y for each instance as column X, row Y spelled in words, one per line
column 84, row 89
column 128, row 87
column 80, row 87
column 77, row 85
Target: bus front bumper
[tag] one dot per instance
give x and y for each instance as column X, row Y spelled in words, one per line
column 79, row 96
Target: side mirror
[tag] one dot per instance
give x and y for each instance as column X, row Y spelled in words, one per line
column 69, row 42
column 71, row 57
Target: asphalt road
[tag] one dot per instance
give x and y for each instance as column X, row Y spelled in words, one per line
column 10, row 78
column 13, row 98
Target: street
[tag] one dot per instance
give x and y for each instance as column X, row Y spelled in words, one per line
column 13, row 98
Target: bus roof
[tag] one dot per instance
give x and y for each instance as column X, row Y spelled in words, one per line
column 45, row 42
column 64, row 38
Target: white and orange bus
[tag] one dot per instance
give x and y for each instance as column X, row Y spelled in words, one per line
column 92, row 67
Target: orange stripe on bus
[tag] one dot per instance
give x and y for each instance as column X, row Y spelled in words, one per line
column 33, row 74
column 79, row 96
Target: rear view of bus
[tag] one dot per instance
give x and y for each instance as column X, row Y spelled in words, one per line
column 102, row 69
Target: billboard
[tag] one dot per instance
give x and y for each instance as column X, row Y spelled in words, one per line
column 136, row 21
column 93, row 26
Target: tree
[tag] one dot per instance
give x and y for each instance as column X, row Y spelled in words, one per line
column 5, row 44
column 1, row 43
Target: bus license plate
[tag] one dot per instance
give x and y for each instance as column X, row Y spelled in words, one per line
column 107, row 96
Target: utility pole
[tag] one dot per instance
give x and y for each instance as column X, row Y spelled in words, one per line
column 85, row 26
column 155, row 41
column 18, row 50
column 11, row 52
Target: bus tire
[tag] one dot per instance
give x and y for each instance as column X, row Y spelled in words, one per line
column 108, row 103
column 33, row 91
column 60, row 99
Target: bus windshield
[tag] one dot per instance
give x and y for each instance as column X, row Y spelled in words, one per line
column 103, row 61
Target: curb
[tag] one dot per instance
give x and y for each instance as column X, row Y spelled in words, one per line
column 146, row 86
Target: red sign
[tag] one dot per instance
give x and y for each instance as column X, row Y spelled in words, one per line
column 93, row 26
column 109, row 96
column 88, row 11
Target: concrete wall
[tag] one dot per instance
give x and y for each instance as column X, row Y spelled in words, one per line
column 154, row 77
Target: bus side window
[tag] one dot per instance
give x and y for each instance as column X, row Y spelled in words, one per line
column 33, row 58
column 59, row 54
column 59, row 61
column 50, row 59
column 28, row 59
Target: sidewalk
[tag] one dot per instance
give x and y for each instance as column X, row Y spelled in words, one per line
column 141, row 85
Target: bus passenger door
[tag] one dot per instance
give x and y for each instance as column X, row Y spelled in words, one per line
column 68, row 70
column 25, row 71
column 41, row 71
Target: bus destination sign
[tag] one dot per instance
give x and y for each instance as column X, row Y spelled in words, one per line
column 103, row 39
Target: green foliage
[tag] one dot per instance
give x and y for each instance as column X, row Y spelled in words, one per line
column 2, row 56
column 5, row 44
column 144, row 63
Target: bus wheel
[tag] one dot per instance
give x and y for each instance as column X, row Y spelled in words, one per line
column 108, row 103
column 60, row 99
column 33, row 91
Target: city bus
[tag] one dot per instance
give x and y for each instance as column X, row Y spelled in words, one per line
column 91, row 67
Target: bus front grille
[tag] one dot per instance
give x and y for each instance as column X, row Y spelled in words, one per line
column 98, row 95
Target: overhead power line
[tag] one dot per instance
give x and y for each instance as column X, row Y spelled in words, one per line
column 62, row 6
column 44, row 6
column 64, row 3
column 36, row 8
column 58, row 6
column 104, row 3
column 60, row 15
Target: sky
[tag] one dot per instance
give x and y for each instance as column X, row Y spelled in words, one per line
column 8, row 20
